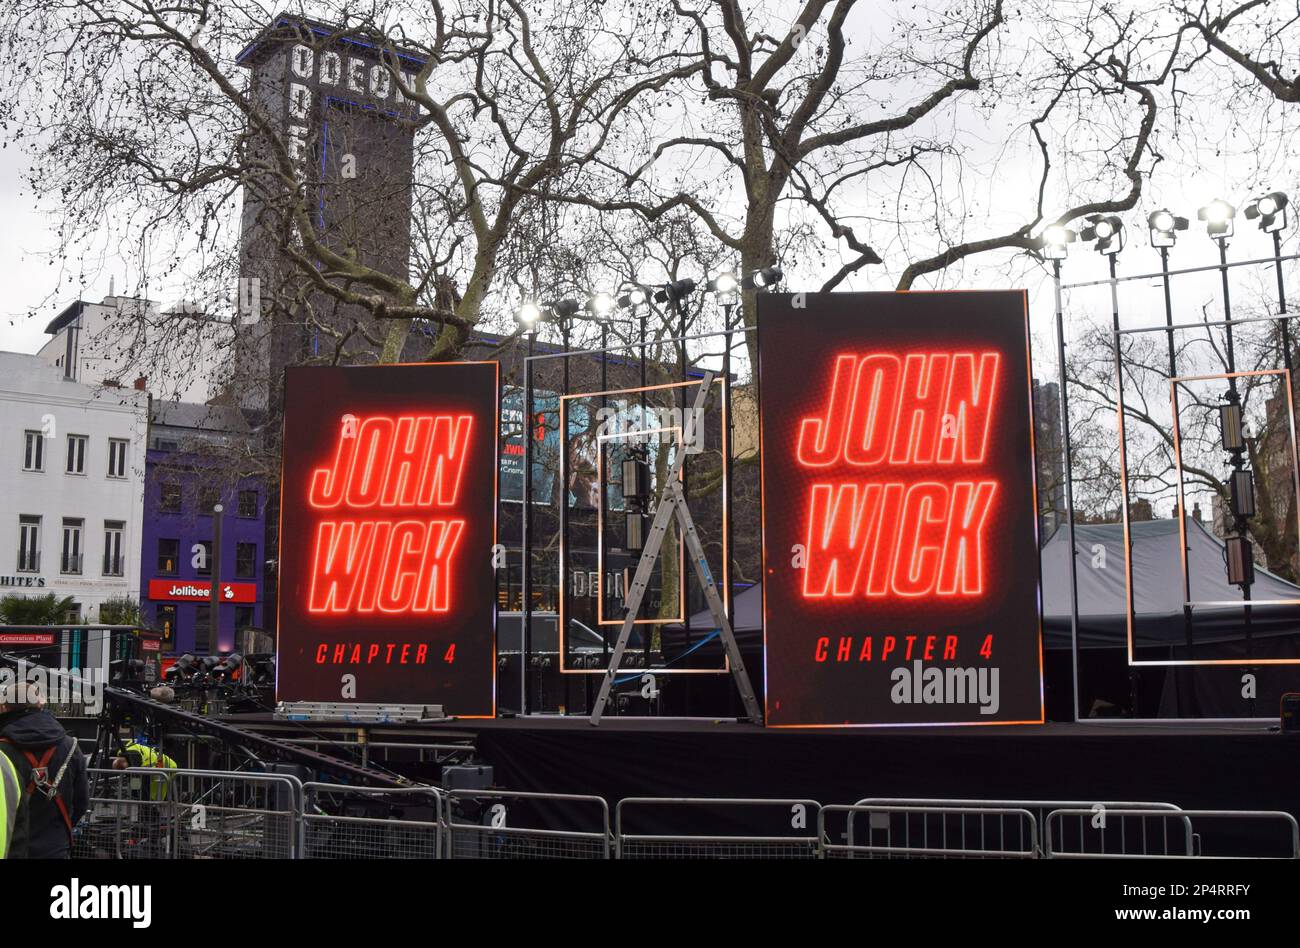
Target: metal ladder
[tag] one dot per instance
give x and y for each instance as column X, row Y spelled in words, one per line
column 672, row 503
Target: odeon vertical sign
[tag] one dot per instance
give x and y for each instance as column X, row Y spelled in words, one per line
column 388, row 504
column 901, row 577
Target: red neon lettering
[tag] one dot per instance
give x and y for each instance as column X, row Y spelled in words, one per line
column 821, row 440
column 873, row 539
column 963, row 556
column 406, row 461
column 916, row 432
column 916, row 566
column 969, row 403
column 361, row 566
column 874, row 410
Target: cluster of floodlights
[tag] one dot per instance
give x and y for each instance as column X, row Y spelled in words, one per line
column 725, row 287
column 1107, row 231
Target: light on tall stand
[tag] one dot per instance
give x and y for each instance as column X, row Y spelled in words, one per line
column 1108, row 234
column 529, row 317
column 1218, row 216
column 1054, row 244
column 726, row 292
column 1163, row 227
column 1271, row 212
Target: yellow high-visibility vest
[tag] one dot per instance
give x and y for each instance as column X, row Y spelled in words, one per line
column 151, row 758
column 11, row 797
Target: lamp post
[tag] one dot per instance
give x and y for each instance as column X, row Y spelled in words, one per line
column 726, row 290
column 1054, row 244
column 1218, row 216
column 1163, row 227
column 529, row 317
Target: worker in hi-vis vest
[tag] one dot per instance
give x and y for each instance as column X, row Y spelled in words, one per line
column 134, row 754
column 13, row 811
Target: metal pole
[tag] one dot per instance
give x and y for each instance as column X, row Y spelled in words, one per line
column 1123, row 455
column 683, row 590
column 214, row 619
column 604, row 386
column 1069, row 486
column 1186, row 682
column 729, row 533
column 1239, row 523
column 562, row 424
column 526, row 540
column 1281, row 300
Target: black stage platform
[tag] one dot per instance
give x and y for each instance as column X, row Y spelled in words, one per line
column 1206, row 766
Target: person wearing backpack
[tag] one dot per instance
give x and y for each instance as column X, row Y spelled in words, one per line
column 51, row 769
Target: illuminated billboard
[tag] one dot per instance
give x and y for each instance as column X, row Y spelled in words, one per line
column 901, row 573
column 388, row 503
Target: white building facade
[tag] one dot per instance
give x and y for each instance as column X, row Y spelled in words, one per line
column 72, row 458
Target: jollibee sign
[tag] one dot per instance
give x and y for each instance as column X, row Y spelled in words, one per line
column 899, row 509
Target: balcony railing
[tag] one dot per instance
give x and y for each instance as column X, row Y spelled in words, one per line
column 29, row 561
column 71, row 563
column 114, row 565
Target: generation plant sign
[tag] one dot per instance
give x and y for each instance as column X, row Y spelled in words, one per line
column 901, row 573
column 388, row 521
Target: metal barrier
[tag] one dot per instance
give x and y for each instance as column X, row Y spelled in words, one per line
column 785, row 833
column 966, row 832
column 191, row 814
column 499, row 824
column 1038, row 808
column 129, row 817
column 371, row 823
column 1188, row 840
column 235, row 815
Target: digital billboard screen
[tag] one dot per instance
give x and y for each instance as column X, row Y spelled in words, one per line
column 388, row 520
column 901, row 572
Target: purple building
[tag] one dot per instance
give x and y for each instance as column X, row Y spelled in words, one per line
column 188, row 471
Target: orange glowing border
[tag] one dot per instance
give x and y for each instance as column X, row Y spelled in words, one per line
column 496, row 503
column 600, row 536
column 1033, row 480
column 1182, row 525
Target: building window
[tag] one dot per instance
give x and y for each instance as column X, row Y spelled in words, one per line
column 72, row 530
column 248, row 503
column 77, row 454
column 208, row 499
column 29, row 544
column 202, row 629
column 170, row 499
column 243, row 618
column 33, row 451
column 113, row 559
column 117, row 457
column 245, row 560
column 204, row 567
column 169, row 552
column 166, row 620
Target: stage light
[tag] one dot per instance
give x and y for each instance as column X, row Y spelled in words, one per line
column 1230, row 426
column 600, row 305
column 1242, row 493
column 1164, row 227
column 634, row 297
column 1240, row 560
column 764, row 278
column 725, row 286
column 1271, row 211
column 1107, row 231
column 1218, row 215
column 635, row 532
column 529, row 315
column 563, row 309
column 676, row 291
column 1055, row 240
column 636, row 479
